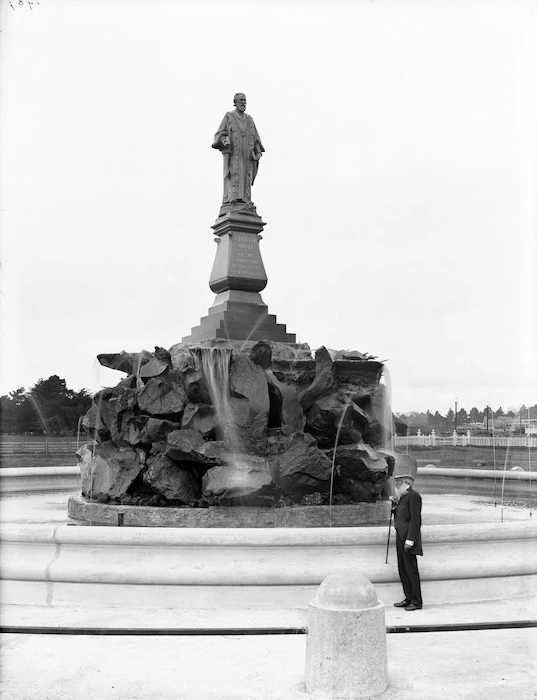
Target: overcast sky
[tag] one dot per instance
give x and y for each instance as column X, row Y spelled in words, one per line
column 398, row 185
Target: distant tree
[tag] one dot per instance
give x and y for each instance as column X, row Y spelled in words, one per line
column 475, row 415
column 16, row 414
column 417, row 420
column 450, row 419
column 438, row 420
column 49, row 407
column 510, row 414
column 498, row 413
column 463, row 416
column 7, row 411
column 487, row 417
column 401, row 428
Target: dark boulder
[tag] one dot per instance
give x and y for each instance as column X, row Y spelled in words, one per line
column 108, row 469
column 163, row 355
column 163, row 396
column 249, row 404
column 361, row 472
column 194, row 383
column 127, row 398
column 199, row 418
column 285, row 406
column 93, row 424
column 172, row 481
column 188, row 446
column 239, row 485
column 325, row 379
column 133, row 429
column 302, row 468
column 157, row 429
column 153, row 368
column 261, row 354
column 334, row 413
column 129, row 362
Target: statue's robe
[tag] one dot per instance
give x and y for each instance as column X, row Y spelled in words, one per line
column 240, row 168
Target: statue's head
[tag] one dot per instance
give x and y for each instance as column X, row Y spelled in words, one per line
column 239, row 100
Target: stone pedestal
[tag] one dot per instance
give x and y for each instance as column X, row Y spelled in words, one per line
column 346, row 656
column 237, row 277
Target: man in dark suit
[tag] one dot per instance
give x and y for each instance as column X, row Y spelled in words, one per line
column 408, row 541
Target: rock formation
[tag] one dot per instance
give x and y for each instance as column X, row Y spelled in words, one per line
column 274, row 425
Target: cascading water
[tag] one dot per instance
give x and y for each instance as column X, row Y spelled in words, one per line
column 504, row 473
column 213, row 363
column 494, row 459
column 387, row 417
column 529, row 467
column 333, row 466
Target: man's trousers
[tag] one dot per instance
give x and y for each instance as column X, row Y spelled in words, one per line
column 408, row 573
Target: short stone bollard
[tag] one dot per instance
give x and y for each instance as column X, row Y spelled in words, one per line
column 346, row 655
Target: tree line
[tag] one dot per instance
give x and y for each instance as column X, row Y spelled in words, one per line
column 436, row 421
column 48, row 408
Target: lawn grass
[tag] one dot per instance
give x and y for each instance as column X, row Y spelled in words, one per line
column 467, row 457
column 62, row 460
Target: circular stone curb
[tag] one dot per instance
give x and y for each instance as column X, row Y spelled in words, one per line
column 355, row 515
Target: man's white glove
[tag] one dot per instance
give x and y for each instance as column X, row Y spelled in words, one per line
column 408, row 544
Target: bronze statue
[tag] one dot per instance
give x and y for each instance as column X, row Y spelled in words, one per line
column 241, row 147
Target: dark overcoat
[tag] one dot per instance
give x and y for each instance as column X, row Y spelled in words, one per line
column 408, row 519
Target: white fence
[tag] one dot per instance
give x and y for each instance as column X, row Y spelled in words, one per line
column 433, row 440
column 38, row 445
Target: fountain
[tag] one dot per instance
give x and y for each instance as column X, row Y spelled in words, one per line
column 219, row 426
column 238, row 415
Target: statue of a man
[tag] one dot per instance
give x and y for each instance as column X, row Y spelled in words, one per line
column 241, row 147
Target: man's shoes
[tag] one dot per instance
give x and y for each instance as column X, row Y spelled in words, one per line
column 413, row 607
column 402, row 604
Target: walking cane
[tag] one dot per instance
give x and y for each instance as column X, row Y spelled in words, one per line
column 389, row 531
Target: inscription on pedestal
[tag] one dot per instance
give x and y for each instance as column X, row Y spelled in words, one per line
column 245, row 258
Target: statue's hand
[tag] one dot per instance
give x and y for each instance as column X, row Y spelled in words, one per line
column 225, row 141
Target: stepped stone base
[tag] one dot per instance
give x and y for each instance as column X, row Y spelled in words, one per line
column 239, row 315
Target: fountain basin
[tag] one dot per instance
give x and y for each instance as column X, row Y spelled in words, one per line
column 24, row 479
column 357, row 515
column 261, row 567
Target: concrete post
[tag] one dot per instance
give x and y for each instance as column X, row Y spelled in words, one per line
column 346, row 656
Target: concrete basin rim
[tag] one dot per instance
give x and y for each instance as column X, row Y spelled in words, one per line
column 269, row 537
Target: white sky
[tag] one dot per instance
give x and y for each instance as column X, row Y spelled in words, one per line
column 398, row 185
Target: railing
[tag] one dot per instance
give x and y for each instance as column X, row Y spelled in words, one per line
column 38, row 445
column 464, row 440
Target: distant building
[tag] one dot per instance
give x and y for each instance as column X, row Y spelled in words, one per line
column 526, row 425
column 530, row 426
